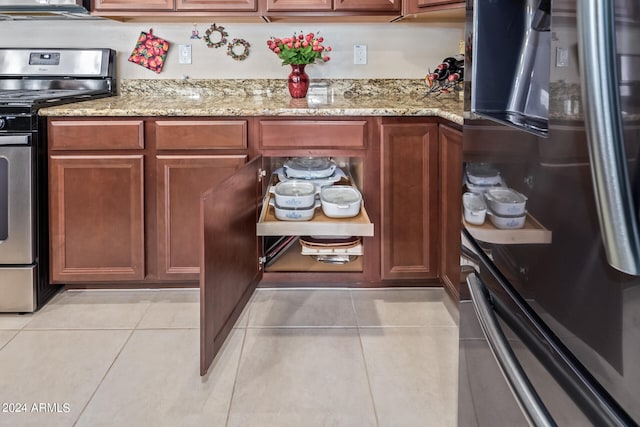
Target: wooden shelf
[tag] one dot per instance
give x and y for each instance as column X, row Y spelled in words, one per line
column 292, row 260
column 532, row 233
column 319, row 225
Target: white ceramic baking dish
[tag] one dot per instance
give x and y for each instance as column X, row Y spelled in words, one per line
column 474, row 207
column 340, row 201
column 507, row 222
column 294, row 193
column 505, row 201
column 482, row 174
column 294, row 213
column 481, row 189
column 309, row 167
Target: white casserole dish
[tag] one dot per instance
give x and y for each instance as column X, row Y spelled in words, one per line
column 505, row 201
column 293, row 213
column 481, row 189
column 507, row 222
column 309, row 167
column 482, row 174
column 294, row 193
column 337, row 175
column 340, row 201
column 475, row 209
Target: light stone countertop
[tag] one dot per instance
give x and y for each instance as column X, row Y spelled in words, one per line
column 198, row 102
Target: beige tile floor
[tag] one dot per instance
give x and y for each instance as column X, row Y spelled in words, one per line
column 327, row 357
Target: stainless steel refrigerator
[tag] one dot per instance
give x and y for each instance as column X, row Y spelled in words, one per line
column 550, row 315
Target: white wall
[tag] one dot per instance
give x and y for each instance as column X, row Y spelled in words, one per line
column 395, row 50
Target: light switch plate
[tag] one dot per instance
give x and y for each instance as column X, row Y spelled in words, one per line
column 184, row 51
column 360, row 54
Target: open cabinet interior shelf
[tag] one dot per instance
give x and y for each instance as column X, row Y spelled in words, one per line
column 293, row 261
column 319, row 225
column 533, row 232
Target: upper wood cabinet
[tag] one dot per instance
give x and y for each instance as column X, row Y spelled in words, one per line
column 98, row 5
column 418, row 6
column 332, row 5
column 216, row 5
column 299, row 5
column 174, row 5
column 372, row 5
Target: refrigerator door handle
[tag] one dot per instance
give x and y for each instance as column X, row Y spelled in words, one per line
column 603, row 123
column 529, row 401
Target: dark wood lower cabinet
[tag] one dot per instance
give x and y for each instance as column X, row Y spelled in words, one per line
column 125, row 196
column 409, row 213
column 181, row 180
column 164, row 209
column 96, row 218
column 450, row 208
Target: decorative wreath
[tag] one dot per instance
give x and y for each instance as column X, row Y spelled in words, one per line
column 215, row 29
column 245, row 50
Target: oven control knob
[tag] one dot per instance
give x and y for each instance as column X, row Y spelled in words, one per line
column 3, row 122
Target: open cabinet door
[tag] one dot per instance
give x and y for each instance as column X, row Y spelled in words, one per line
column 229, row 264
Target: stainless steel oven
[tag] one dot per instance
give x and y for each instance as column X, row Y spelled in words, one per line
column 17, row 225
column 31, row 79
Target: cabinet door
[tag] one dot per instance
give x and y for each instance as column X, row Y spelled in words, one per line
column 216, row 5
column 450, row 207
column 409, row 213
column 181, row 182
column 427, row 3
column 417, row 6
column 367, row 5
column 229, row 256
column 96, row 218
column 135, row 5
column 299, row 5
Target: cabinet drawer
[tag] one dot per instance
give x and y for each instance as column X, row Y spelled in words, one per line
column 201, row 134
column 312, row 134
column 96, row 134
column 320, row 225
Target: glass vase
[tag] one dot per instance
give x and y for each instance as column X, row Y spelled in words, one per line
column 298, row 81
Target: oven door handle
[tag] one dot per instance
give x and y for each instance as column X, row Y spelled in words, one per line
column 529, row 401
column 603, row 120
column 8, row 139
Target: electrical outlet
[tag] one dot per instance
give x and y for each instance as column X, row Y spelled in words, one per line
column 184, row 54
column 562, row 57
column 461, row 47
column 360, row 54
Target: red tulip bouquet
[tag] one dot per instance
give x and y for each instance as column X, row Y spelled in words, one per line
column 299, row 49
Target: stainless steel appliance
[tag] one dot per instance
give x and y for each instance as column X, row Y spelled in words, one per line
column 29, row 80
column 550, row 318
column 44, row 9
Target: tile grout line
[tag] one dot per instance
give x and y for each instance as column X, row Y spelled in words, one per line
column 84, row 408
column 144, row 314
column 17, row 331
column 235, row 379
column 364, row 360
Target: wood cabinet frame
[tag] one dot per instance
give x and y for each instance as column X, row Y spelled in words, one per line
column 450, row 144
